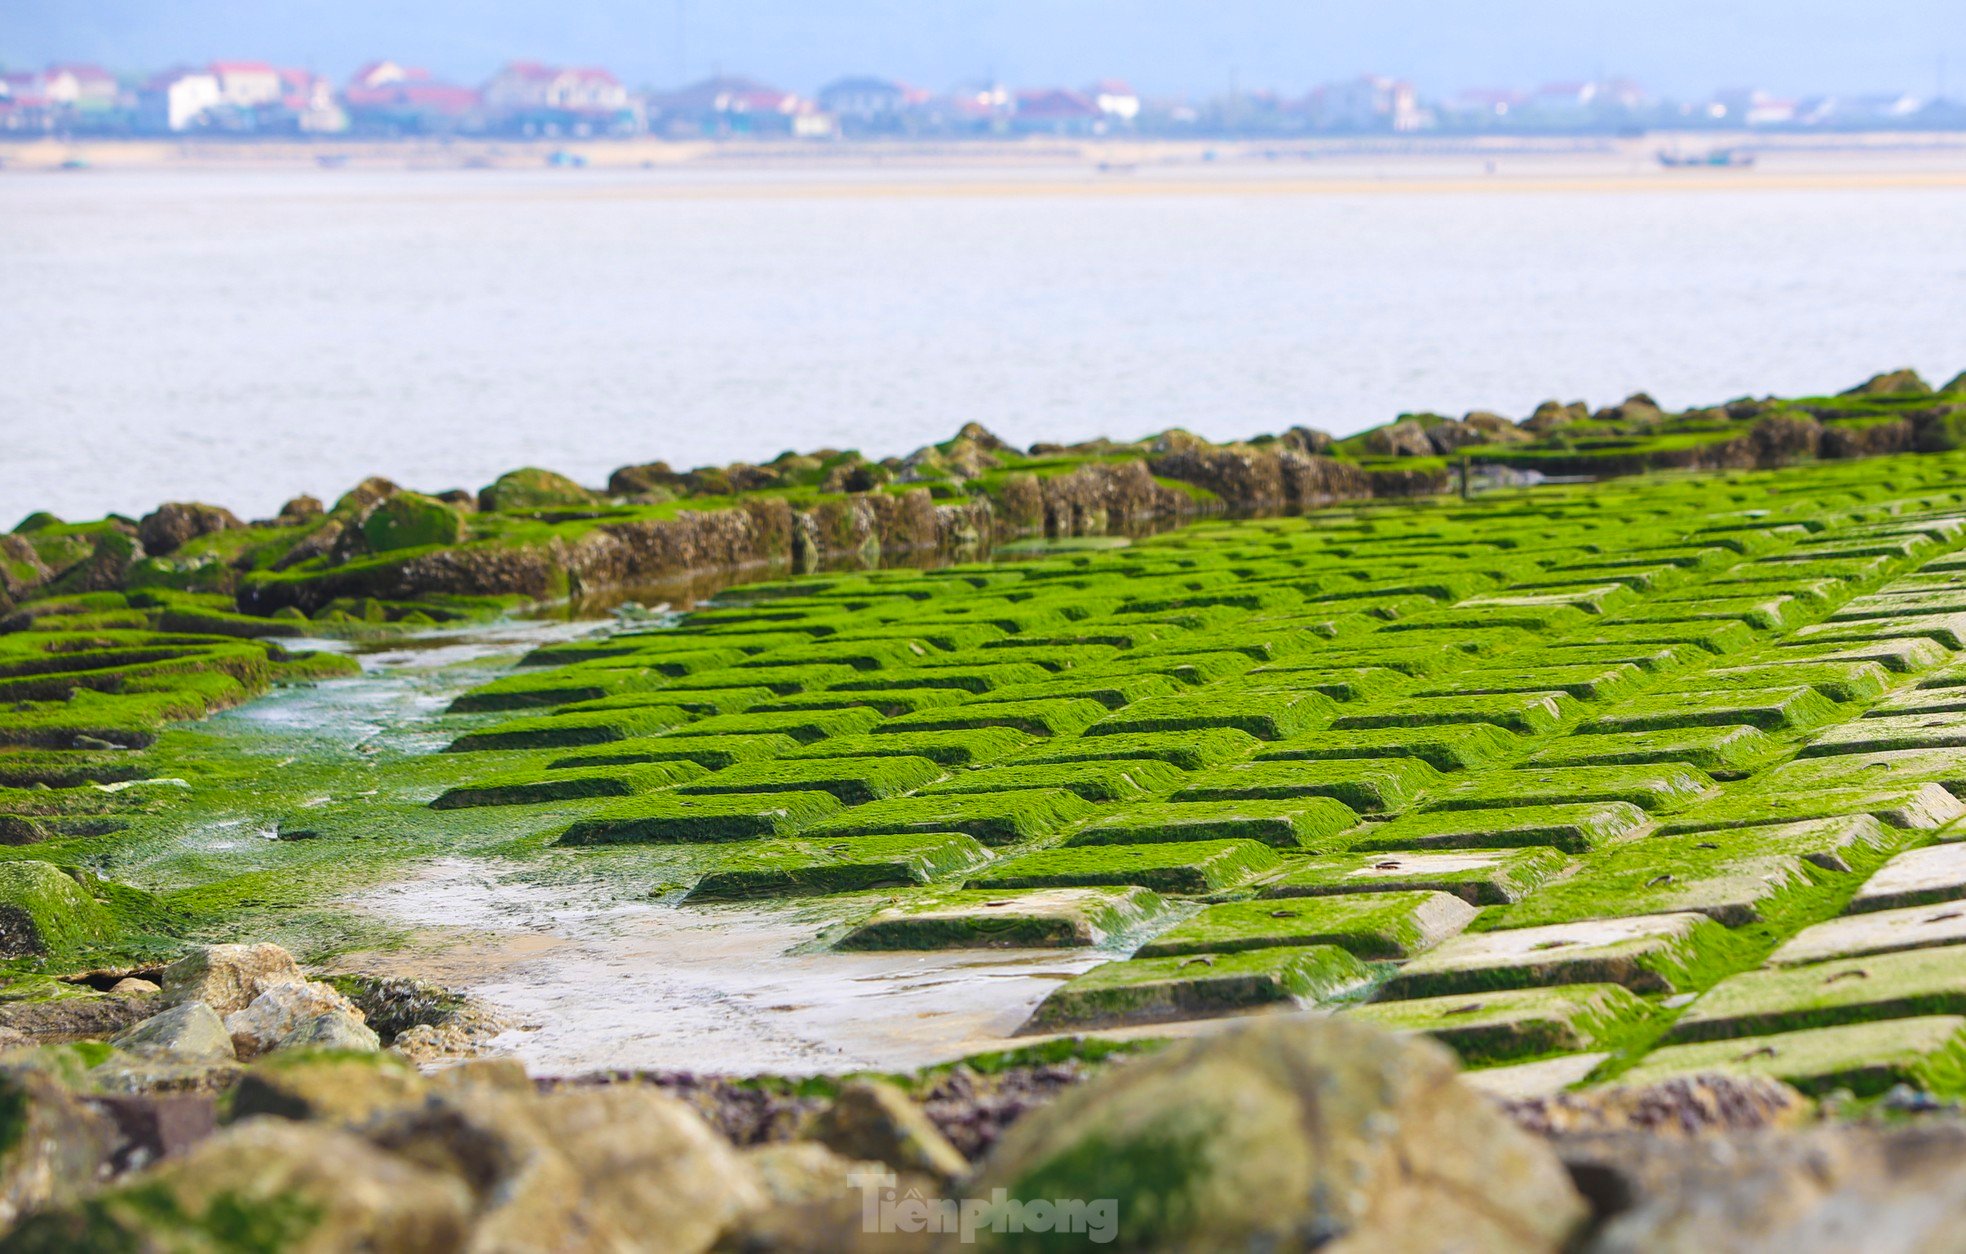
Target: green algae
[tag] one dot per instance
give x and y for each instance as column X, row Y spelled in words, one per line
column 1160, row 990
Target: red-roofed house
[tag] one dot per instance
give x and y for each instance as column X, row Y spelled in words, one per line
column 247, row 84
column 392, row 98
column 527, row 85
column 80, row 86
column 1115, row 99
column 1055, row 109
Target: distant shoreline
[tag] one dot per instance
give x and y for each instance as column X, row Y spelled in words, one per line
column 1868, row 157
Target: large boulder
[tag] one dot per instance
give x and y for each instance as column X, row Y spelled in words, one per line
column 43, row 912
column 1450, row 435
column 282, row 1010
column 650, row 478
column 369, row 492
column 532, row 488
column 1405, row 438
column 874, row 1121
column 267, row 1184
column 300, row 511
column 21, row 568
column 52, row 1146
column 334, row 1087
column 1891, row 383
column 615, row 1167
column 410, row 520
column 173, row 525
column 1955, row 386
column 189, row 1032
column 1289, row 1133
column 1555, row 415
column 1494, row 428
column 228, row 977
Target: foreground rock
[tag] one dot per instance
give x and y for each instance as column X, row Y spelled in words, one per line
column 228, row 977
column 1286, row 1134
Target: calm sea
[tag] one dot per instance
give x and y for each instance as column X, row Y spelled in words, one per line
column 242, row 336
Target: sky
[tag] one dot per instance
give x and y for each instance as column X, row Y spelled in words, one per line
column 1682, row 48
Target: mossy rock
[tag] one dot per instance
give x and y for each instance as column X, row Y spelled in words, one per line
column 519, row 491
column 410, row 520
column 45, row 913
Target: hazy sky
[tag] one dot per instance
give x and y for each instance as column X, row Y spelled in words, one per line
column 1681, row 47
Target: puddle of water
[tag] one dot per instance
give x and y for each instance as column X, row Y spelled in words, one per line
column 596, row 984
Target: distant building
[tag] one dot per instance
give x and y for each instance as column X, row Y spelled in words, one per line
column 529, row 85
column 80, row 86
column 866, row 103
column 178, row 100
column 390, row 98
column 729, row 105
column 1115, row 99
column 247, row 84
column 1370, row 103
column 309, row 101
column 1055, row 110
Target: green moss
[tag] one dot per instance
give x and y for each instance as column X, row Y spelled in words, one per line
column 1369, row 786
column 1730, row 750
column 1057, row 717
column 958, row 748
column 567, row 731
column 1449, row 748
column 410, row 520
column 1095, row 781
column 1574, row 827
column 710, row 752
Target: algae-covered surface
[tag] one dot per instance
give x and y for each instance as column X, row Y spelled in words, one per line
column 1605, row 772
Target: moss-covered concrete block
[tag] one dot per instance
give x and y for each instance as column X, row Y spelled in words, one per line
column 1867, row 1059
column 1375, row 926
column 852, row 780
column 1911, row 805
column 1188, row 750
column 1573, row 828
column 1726, row 750
column 1655, row 787
column 1095, row 781
column 1306, row 821
column 1184, row 867
column 1771, row 709
column 1367, row 785
column 1901, row 985
column 1485, row 878
column 1163, row 990
column 1875, row 932
column 1507, row 1025
column 1452, row 748
column 1003, row 818
column 1527, row 713
column 965, row 747
column 1648, row 954
column 817, row 867
column 712, row 753
column 520, row 788
column 1916, row 877
column 1012, row 918
column 666, row 818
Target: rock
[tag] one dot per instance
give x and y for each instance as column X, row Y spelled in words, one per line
column 299, row 511
column 280, row 1010
column 1834, row 1188
column 606, row 1167
column 320, row 542
column 154, row 1126
column 171, row 526
column 44, row 911
column 1892, row 383
column 1405, row 438
column 652, row 477
column 428, row 1042
column 335, row 1030
column 268, row 1184
column 1955, row 386
column 798, row 1173
column 1307, row 440
column 21, row 568
column 54, row 1146
column 533, row 488
column 1291, row 1134
column 131, row 986
column 1450, row 434
column 1555, row 415
column 1684, row 1106
column 73, row 1018
column 228, row 977
column 364, row 495
column 875, row 1121
column 189, row 1032
column 332, row 1087
column 1779, row 439
column 409, row 520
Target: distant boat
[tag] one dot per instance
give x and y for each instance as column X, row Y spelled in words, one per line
column 561, row 157
column 1719, row 158
column 73, row 163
